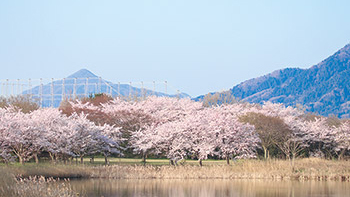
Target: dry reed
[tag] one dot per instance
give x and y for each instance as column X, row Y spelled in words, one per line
column 37, row 186
column 305, row 169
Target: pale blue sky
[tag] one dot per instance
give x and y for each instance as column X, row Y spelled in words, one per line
column 198, row 46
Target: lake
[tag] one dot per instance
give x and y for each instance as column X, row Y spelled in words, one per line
column 210, row 187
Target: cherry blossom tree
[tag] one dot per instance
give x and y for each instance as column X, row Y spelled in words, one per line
column 233, row 138
column 166, row 109
column 209, row 131
column 319, row 136
column 84, row 136
column 51, row 122
column 5, row 151
column 161, row 110
column 18, row 134
column 109, row 141
column 182, row 138
column 117, row 113
column 342, row 139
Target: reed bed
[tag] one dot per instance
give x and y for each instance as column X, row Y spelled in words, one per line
column 36, row 186
column 48, row 171
column 43, row 180
column 305, row 169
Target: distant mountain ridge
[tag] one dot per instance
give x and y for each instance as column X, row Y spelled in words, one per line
column 84, row 83
column 323, row 88
column 83, row 73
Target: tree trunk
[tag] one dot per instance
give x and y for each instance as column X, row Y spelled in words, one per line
column 106, row 160
column 227, row 160
column 92, row 160
column 82, row 159
column 52, row 157
column 144, row 155
column 341, row 155
column 171, row 162
column 20, row 160
column 36, row 158
column 55, row 157
column 293, row 162
column 200, row 162
column 287, row 156
column 268, row 154
column 265, row 152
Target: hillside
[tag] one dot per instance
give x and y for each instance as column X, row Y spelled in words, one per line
column 323, row 89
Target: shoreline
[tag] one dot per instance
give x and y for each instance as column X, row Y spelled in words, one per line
column 305, row 170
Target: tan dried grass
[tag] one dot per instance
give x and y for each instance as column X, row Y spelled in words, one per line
column 305, row 169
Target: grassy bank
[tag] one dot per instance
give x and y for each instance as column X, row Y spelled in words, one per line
column 305, row 169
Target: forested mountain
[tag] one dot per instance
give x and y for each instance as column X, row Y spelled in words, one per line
column 323, row 88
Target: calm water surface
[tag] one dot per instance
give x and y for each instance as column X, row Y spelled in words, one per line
column 181, row 188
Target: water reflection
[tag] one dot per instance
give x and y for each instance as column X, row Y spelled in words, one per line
column 206, row 188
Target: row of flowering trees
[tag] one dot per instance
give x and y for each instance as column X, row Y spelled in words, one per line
column 295, row 133
column 182, row 128
column 28, row 135
column 169, row 127
column 175, row 128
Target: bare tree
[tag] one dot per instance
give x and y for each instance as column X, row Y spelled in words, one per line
column 271, row 130
column 22, row 102
column 219, row 98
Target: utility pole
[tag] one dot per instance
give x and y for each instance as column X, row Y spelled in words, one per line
column 63, row 89
column 86, row 86
column 52, row 94
column 41, row 92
